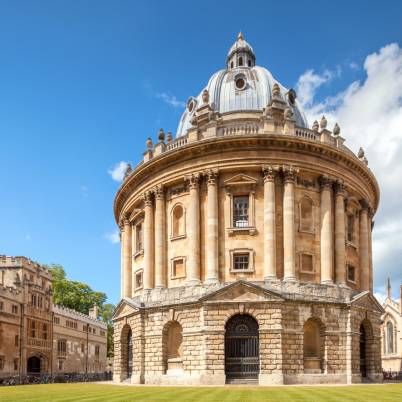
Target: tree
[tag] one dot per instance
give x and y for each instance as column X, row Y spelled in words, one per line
column 80, row 297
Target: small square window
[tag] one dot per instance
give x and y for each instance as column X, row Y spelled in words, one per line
column 178, row 268
column 241, row 261
column 351, row 273
column 14, row 309
column 139, row 280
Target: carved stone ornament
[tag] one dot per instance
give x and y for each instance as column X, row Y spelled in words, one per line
column 289, row 173
column 147, row 198
column 323, row 123
column 161, row 135
column 340, row 187
column 149, row 144
column 288, row 113
column 276, row 91
column 269, row 172
column 325, row 182
column 364, row 204
column 336, row 130
column 315, row 126
column 193, row 180
column 169, row 137
column 128, row 171
column 212, row 176
column 205, row 96
column 159, row 192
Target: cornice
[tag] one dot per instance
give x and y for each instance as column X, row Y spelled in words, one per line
column 217, row 145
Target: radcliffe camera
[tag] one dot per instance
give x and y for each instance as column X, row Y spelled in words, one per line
column 197, row 207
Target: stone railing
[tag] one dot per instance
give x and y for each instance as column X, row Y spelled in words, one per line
column 39, row 343
column 177, row 143
column 307, row 134
column 239, row 129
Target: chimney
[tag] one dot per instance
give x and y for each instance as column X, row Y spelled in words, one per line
column 94, row 312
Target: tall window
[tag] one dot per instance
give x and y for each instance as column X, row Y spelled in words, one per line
column 1, row 362
column 240, row 61
column 390, row 337
column 33, row 329
column 16, row 340
column 138, row 237
column 44, row 331
column 350, row 226
column 241, row 211
column 306, row 214
column 61, row 347
column 97, row 351
column 351, row 272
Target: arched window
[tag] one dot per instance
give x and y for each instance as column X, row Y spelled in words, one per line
column 312, row 346
column 240, row 61
column 249, row 62
column 178, row 221
column 173, row 338
column 390, row 337
column 306, row 215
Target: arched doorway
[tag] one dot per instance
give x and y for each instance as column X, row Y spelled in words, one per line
column 129, row 353
column 33, row 365
column 363, row 363
column 242, row 359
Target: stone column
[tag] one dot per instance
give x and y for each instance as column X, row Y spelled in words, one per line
column 326, row 240
column 364, row 247
column 127, row 258
column 121, row 227
column 212, row 228
column 269, row 173
column 340, row 235
column 193, row 266
column 289, row 235
column 370, row 246
column 148, row 241
column 160, row 242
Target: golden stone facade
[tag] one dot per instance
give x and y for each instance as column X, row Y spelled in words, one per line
column 38, row 337
column 246, row 245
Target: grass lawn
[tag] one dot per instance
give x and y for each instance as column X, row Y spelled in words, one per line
column 110, row 393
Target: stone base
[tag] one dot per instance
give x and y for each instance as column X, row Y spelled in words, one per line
column 185, row 379
column 270, row 379
column 314, row 379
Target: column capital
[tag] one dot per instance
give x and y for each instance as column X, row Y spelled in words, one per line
column 193, row 180
column 159, row 192
column 290, row 173
column 340, row 187
column 212, row 176
column 269, row 172
column 147, row 198
column 364, row 204
column 124, row 221
column 325, row 182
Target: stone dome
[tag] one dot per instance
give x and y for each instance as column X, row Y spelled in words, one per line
column 241, row 87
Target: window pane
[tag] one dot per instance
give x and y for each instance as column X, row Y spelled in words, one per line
column 240, row 211
column 241, row 261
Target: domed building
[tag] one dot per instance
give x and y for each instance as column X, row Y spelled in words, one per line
column 246, row 245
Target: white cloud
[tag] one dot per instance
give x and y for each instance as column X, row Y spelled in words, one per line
column 118, row 170
column 113, row 237
column 170, row 100
column 370, row 115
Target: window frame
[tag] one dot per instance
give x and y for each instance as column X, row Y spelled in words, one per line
column 311, row 230
column 301, row 270
column 172, row 263
column 180, row 235
column 136, row 273
column 251, row 260
column 349, row 266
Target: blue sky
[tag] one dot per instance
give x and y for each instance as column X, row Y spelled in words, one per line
column 84, row 83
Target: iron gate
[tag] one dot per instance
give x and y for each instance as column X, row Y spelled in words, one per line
column 241, row 348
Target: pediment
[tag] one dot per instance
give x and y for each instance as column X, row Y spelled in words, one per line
column 240, row 179
column 368, row 301
column 124, row 308
column 242, row 291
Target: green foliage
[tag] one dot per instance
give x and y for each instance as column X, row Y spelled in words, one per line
column 80, row 297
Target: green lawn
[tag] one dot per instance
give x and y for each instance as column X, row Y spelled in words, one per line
column 111, row 393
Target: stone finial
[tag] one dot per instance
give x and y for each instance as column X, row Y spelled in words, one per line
column 323, row 123
column 161, row 135
column 205, row 96
column 336, row 129
column 315, row 126
column 149, row 144
column 276, row 90
column 240, row 36
column 128, row 171
column 389, row 289
column 169, row 137
column 288, row 113
column 362, row 155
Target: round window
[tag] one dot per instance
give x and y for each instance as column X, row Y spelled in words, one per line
column 240, row 83
column 190, row 106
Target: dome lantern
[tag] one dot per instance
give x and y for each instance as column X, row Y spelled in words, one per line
column 241, row 54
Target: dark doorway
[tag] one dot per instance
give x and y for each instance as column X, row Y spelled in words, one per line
column 129, row 354
column 242, row 348
column 363, row 370
column 33, row 365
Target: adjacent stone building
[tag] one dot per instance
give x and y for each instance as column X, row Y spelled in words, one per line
column 246, row 245
column 392, row 333
column 38, row 337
